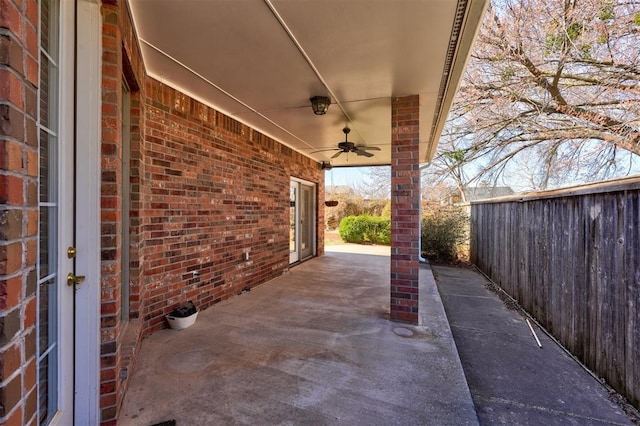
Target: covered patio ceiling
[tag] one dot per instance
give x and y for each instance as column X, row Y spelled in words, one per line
column 259, row 61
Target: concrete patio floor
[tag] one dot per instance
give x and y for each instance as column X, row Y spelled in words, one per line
column 313, row 346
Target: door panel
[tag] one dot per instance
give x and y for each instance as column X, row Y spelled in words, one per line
column 293, row 220
column 86, row 368
column 55, row 206
column 306, row 221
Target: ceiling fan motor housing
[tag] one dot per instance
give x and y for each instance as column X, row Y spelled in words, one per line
column 346, row 146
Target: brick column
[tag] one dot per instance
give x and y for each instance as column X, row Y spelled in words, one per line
column 405, row 208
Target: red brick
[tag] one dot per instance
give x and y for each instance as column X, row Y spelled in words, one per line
column 108, row 308
column 10, row 394
column 31, row 70
column 32, row 193
column 11, row 87
column 31, row 40
column 10, row 361
column 29, row 377
column 32, row 163
column 10, row 292
column 10, row 258
column 15, row 419
column 10, row 17
column 29, row 318
column 407, row 317
column 32, row 223
column 31, row 404
column 11, row 54
column 31, row 11
column 10, row 155
column 31, row 252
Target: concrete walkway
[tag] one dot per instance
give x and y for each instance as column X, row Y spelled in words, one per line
column 512, row 380
column 313, row 347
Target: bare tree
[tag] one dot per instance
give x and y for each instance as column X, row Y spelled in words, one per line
column 450, row 166
column 556, row 80
column 376, row 183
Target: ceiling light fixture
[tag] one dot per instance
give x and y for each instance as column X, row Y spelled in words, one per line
column 320, row 104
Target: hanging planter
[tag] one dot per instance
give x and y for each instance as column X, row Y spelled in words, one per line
column 330, row 203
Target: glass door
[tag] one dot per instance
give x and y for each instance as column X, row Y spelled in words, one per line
column 307, row 228
column 293, row 220
column 302, row 204
column 55, row 209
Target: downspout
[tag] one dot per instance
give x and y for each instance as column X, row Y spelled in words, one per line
column 420, row 258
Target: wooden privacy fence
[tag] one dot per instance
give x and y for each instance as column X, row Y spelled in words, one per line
column 571, row 258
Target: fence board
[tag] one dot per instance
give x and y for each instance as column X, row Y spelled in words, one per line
column 572, row 259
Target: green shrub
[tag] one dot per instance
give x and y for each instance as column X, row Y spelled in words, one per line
column 352, row 205
column 365, row 229
column 444, row 232
column 381, row 230
column 351, row 229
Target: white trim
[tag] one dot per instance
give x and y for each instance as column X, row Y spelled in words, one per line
column 295, row 256
column 311, row 217
column 58, row 419
column 65, row 211
column 87, row 168
column 306, row 182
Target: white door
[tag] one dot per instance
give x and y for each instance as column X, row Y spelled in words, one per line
column 88, row 97
column 60, row 303
column 55, row 340
column 307, row 221
column 293, row 222
column 301, row 220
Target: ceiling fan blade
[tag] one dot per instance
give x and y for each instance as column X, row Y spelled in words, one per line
column 363, row 153
column 370, row 148
column 324, row 150
column 336, row 154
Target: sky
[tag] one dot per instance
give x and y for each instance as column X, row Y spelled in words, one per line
column 354, row 177
column 347, row 176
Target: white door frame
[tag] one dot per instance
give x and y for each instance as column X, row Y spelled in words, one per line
column 65, row 316
column 78, row 163
column 294, row 256
column 87, row 168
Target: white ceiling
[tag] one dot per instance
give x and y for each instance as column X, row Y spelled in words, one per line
column 260, row 61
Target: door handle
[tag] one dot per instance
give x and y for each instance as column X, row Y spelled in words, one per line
column 74, row 279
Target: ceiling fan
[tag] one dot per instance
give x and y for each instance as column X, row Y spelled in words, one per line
column 347, row 147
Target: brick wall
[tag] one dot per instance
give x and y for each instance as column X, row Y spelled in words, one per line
column 122, row 64
column 405, row 208
column 18, row 209
column 216, row 189
column 204, row 189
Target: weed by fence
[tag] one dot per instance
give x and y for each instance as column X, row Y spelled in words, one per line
column 445, row 234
